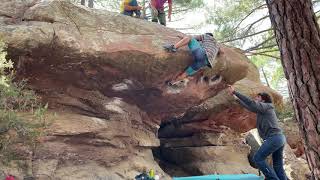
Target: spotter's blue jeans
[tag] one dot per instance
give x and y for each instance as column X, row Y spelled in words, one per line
column 272, row 145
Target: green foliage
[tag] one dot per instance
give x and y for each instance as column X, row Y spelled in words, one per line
column 273, row 70
column 14, row 96
column 16, row 100
column 287, row 111
column 277, row 76
column 259, row 61
column 3, row 66
column 227, row 17
column 236, row 19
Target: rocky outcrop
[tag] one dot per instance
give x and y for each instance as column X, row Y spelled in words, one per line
column 104, row 76
column 295, row 167
column 296, row 164
column 291, row 130
column 208, row 153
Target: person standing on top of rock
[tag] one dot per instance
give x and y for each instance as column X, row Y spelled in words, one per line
column 269, row 130
column 130, row 7
column 204, row 49
column 157, row 11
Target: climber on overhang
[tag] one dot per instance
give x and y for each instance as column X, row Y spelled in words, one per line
column 204, row 49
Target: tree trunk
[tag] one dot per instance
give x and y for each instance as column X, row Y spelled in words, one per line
column 83, row 2
column 298, row 38
column 90, row 3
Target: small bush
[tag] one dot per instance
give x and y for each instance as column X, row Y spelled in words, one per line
column 16, row 99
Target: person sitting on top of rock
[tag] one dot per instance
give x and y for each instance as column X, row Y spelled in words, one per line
column 130, row 7
column 204, row 49
column 158, row 13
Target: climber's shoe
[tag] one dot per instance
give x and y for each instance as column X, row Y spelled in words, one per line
column 170, row 48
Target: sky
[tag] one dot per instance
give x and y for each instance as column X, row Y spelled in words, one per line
column 193, row 19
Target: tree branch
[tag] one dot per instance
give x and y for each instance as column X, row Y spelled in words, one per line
column 262, row 54
column 255, row 22
column 264, row 47
column 231, row 40
column 314, row 2
column 251, row 12
column 273, row 50
column 260, row 44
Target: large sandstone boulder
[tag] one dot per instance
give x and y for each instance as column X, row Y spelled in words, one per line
column 104, row 76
